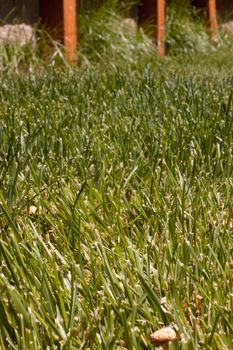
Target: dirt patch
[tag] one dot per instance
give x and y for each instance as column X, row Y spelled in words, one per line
column 18, row 33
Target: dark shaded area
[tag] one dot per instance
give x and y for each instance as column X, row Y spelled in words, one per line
column 19, row 11
column 28, row 11
column 224, row 7
column 147, row 11
column 51, row 14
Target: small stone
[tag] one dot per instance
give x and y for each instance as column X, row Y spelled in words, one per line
column 228, row 26
column 32, row 209
column 163, row 335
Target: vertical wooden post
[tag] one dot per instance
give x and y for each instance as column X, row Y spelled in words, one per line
column 161, row 26
column 213, row 19
column 70, row 29
column 153, row 12
column 59, row 18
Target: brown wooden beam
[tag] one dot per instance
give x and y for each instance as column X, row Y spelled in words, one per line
column 59, row 18
column 210, row 6
column 70, row 29
column 153, row 12
column 161, row 26
column 213, row 19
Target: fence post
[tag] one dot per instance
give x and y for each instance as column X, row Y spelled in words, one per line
column 161, row 26
column 59, row 18
column 70, row 29
column 153, row 12
column 213, row 19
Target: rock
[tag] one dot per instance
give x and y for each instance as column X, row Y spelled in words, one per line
column 32, row 210
column 228, row 26
column 130, row 25
column 17, row 34
column 163, row 336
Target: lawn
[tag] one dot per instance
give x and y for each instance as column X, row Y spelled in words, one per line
column 116, row 192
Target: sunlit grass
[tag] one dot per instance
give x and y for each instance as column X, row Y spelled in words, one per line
column 116, row 189
column 131, row 174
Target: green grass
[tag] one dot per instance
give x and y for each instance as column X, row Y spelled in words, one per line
column 127, row 160
column 104, row 39
column 131, row 174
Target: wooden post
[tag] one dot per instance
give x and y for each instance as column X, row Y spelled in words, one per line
column 153, row 12
column 213, row 19
column 210, row 6
column 70, row 30
column 161, row 26
column 59, row 18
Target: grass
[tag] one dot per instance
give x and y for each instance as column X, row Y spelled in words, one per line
column 132, row 181
column 104, row 39
column 116, row 199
